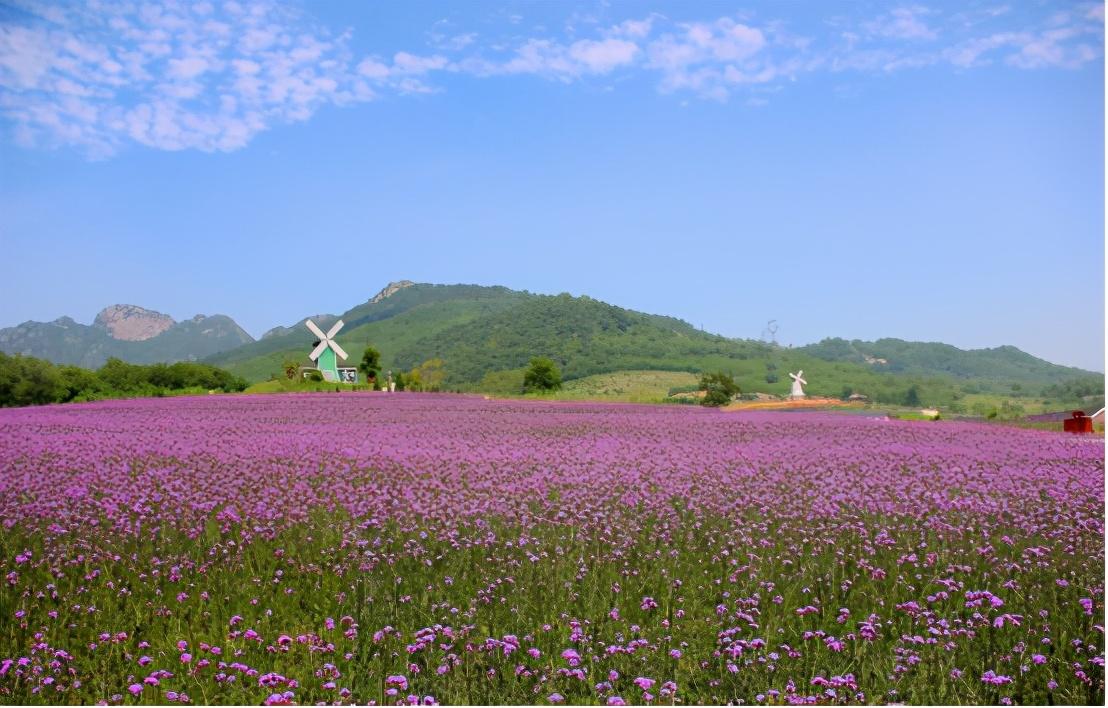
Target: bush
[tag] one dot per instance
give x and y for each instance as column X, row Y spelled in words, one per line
column 543, row 375
column 719, row 388
column 26, row 381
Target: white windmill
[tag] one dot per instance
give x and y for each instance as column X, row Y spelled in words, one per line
column 798, row 384
column 327, row 352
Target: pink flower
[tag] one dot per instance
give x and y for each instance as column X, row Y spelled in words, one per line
column 400, row 682
column 995, row 679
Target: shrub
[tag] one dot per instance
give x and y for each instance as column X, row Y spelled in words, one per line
column 543, row 375
column 719, row 388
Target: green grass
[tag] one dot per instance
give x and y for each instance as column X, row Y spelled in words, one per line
column 302, row 386
column 632, row 386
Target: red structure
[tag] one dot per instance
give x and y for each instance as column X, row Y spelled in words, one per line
column 1078, row 423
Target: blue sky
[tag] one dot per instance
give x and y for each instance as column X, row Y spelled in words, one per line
column 927, row 171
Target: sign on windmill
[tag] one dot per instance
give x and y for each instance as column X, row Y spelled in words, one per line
column 798, row 385
column 327, row 353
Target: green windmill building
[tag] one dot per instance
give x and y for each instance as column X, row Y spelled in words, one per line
column 327, row 353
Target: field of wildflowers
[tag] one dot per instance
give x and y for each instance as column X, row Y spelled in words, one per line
column 432, row 548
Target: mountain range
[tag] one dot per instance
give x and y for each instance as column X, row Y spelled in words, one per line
column 126, row 332
column 487, row 334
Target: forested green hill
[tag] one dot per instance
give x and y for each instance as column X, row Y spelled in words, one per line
column 485, row 335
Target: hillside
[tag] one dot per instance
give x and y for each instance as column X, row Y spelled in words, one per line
column 127, row 332
column 584, row 336
column 486, row 335
column 390, row 321
column 1005, row 363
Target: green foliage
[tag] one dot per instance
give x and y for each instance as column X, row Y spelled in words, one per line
column 290, row 368
column 504, row 383
column 638, row 386
column 486, row 331
column 771, row 372
column 428, row 376
column 26, row 381
column 370, row 365
column 391, row 324
column 542, row 376
column 401, row 381
column 1076, row 388
column 1000, row 364
column 911, row 397
column 587, row 336
column 719, row 389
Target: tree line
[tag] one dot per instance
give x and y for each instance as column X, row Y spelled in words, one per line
column 27, row 381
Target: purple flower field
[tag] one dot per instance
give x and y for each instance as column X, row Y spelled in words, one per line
column 421, row 548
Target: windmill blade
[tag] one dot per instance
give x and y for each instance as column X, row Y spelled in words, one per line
column 315, row 330
column 334, row 330
column 318, row 350
column 338, row 350
column 801, row 380
column 800, row 373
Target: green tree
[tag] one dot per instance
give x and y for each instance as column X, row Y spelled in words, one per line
column 771, row 372
column 290, row 367
column 122, row 377
column 80, row 384
column 430, row 374
column 719, row 388
column 370, row 365
column 542, row 375
column 911, row 396
column 26, row 381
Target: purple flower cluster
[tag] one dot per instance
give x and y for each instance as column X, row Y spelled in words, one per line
column 417, row 549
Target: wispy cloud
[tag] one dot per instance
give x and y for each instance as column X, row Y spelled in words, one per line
column 903, row 23
column 170, row 77
column 211, row 76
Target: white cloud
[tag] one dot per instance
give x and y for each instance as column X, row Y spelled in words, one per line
column 213, row 75
column 708, row 57
column 405, row 63
column 903, row 23
column 600, row 57
column 170, row 77
column 559, row 60
column 636, row 29
column 441, row 36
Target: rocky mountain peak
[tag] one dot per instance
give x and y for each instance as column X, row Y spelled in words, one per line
column 390, row 289
column 132, row 323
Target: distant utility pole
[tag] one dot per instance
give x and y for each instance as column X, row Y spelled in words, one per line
column 769, row 334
